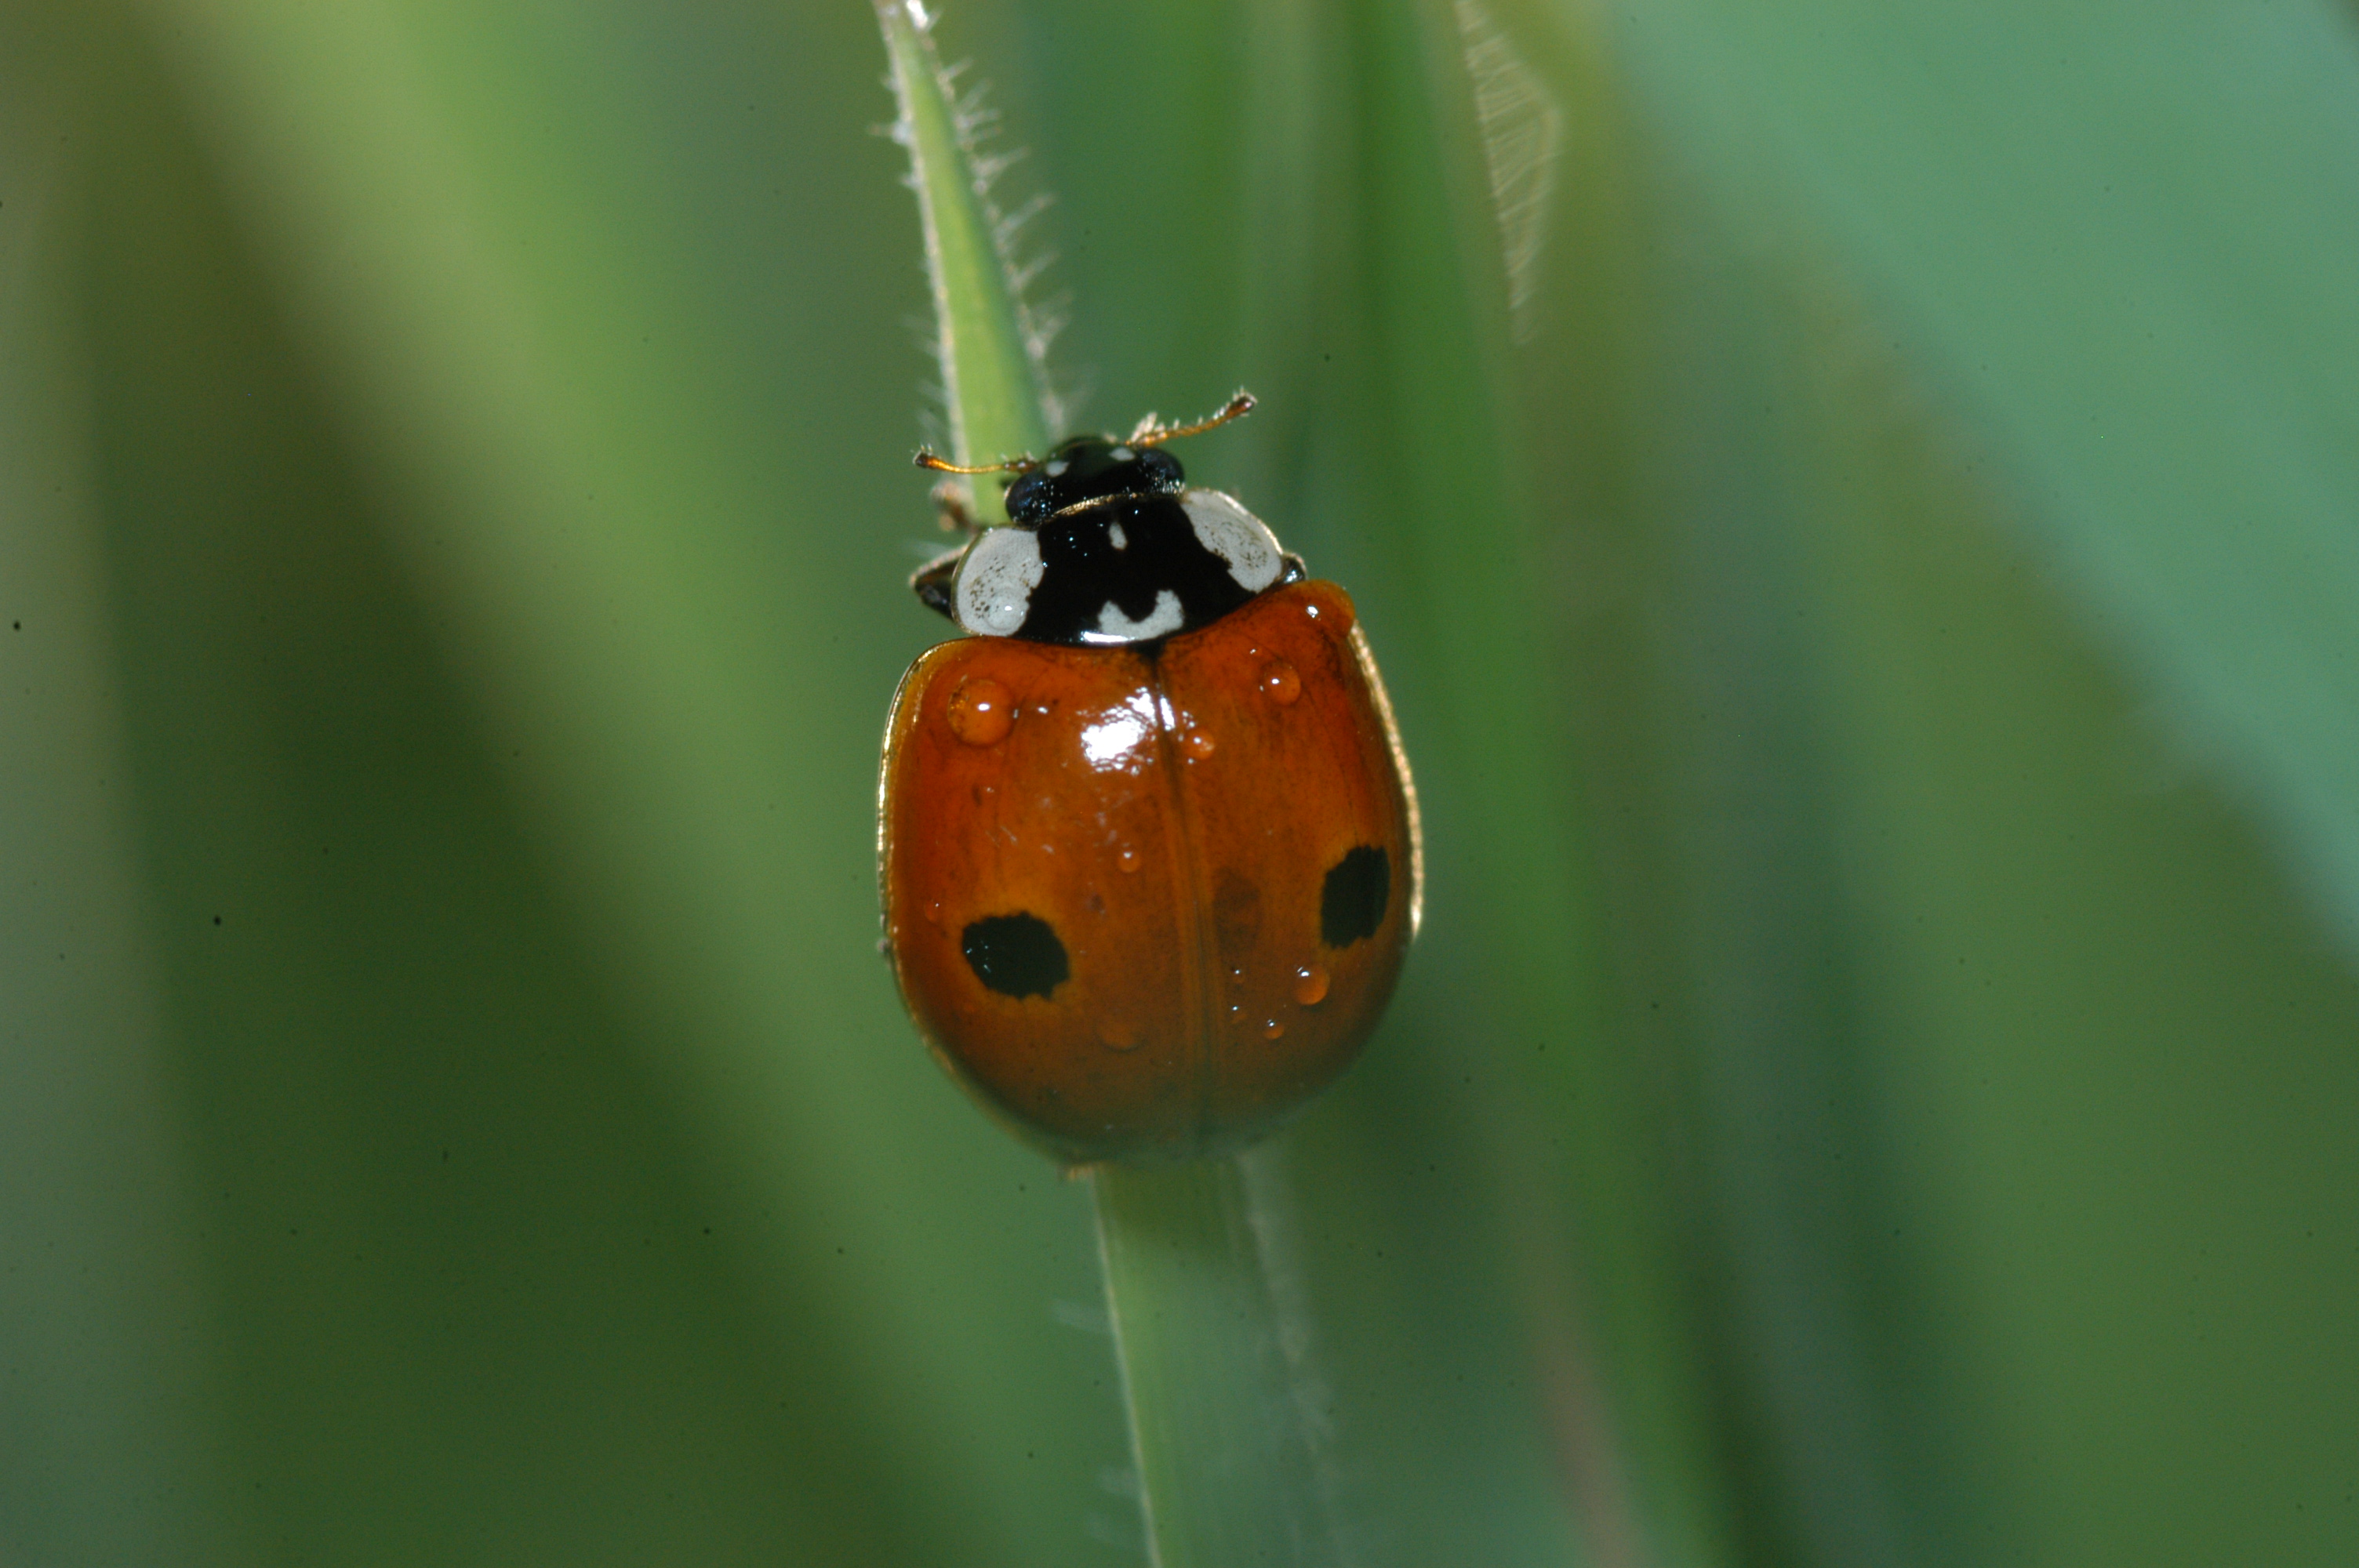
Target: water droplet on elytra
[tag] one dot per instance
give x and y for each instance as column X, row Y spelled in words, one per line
column 1272, row 1030
column 981, row 712
column 1280, row 680
column 1197, row 743
column 1311, row 985
column 1127, row 857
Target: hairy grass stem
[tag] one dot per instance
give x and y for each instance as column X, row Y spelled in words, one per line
column 1227, row 1415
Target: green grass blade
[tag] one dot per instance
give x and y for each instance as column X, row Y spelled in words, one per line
column 1224, row 1453
column 991, row 348
column 1216, row 1349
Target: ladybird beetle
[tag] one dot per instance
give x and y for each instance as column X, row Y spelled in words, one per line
column 1148, row 846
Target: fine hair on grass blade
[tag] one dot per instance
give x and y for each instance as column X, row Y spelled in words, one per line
column 991, row 345
column 1226, row 1413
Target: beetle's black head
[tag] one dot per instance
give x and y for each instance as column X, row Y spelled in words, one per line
column 1087, row 468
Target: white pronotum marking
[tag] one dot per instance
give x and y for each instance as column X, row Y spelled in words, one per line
column 994, row 591
column 1234, row 535
column 1113, row 626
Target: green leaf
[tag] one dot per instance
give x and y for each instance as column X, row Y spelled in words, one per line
column 2113, row 238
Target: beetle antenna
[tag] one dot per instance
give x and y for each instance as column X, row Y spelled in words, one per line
column 926, row 460
column 1153, row 434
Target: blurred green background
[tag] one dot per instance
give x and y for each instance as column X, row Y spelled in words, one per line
column 1859, row 507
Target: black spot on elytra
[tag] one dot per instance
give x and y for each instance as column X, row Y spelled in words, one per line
column 1016, row 954
column 1352, row 905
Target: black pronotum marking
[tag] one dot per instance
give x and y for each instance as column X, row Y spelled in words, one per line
column 1352, row 905
column 1016, row 954
column 1160, row 553
column 1112, row 529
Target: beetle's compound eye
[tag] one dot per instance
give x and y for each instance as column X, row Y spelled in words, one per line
column 1088, row 468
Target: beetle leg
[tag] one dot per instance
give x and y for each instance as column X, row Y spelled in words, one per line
column 951, row 509
column 931, row 582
